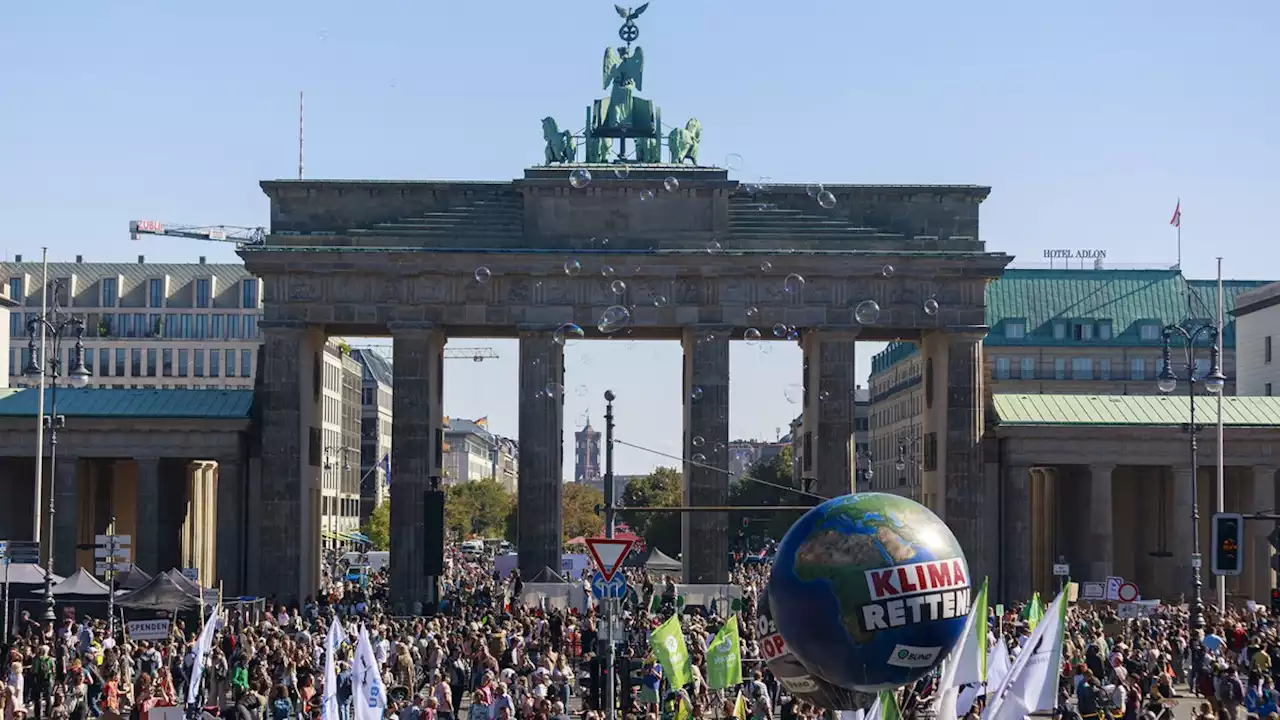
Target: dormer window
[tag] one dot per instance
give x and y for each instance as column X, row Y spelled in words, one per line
column 203, row 292
column 155, row 293
column 110, row 292
column 1059, row 331
column 1149, row 331
column 1015, row 329
column 1104, row 329
column 1082, row 331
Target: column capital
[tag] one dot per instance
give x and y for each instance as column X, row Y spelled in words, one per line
column 298, row 325
column 1264, row 470
column 412, row 326
column 1102, row 468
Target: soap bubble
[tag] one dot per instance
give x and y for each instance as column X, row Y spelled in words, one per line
column 733, row 161
column 764, row 183
column 698, row 459
column 717, row 448
column 765, row 266
column 696, row 393
column 826, row 199
column 793, row 284
column 751, row 335
column 659, row 300
column 750, row 188
column 580, row 178
column 582, row 391
column 698, row 441
column 793, row 332
column 613, row 319
column 671, row 184
column 586, row 359
column 567, row 335
column 794, row 393
column 867, row 312
column 646, row 195
column 887, row 271
column 618, row 287
column 607, row 271
column 931, row 307
column 824, row 395
column 552, row 389
column 622, row 171
column 812, row 189
column 753, row 313
column 572, row 267
column 483, row 275
column 713, row 247
column 780, row 330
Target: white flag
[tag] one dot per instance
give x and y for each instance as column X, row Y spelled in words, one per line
column 203, row 645
column 998, row 664
column 366, row 681
column 329, row 710
column 1032, row 684
column 966, row 662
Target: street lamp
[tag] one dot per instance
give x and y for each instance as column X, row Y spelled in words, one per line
column 336, row 450
column 863, row 460
column 1214, row 381
column 57, row 326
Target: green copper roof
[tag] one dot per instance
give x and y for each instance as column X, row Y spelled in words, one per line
column 1016, row 410
column 106, row 402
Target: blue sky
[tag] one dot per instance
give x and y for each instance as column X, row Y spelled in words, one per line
column 1089, row 119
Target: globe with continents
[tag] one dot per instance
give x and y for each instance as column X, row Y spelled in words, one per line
column 869, row 591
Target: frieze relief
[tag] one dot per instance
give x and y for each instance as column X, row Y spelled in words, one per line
column 428, row 289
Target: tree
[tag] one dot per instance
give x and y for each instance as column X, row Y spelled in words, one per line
column 478, row 507
column 378, row 527
column 664, row 487
column 579, row 510
column 763, row 485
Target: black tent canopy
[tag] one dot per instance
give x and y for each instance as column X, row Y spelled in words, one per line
column 166, row 592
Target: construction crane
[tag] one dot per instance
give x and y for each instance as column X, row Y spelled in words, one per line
column 479, row 354
column 216, row 233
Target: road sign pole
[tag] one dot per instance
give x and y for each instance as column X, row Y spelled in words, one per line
column 6, row 598
column 113, row 543
column 610, row 604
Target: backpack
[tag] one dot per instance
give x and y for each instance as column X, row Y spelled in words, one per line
column 1235, row 691
column 281, row 709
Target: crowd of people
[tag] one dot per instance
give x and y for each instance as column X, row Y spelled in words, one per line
column 487, row 655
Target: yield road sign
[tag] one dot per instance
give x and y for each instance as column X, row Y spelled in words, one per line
column 608, row 554
column 614, row 588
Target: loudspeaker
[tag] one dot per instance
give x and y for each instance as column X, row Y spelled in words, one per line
column 433, row 527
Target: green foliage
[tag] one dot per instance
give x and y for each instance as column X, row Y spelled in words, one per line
column 661, row 488
column 378, row 527
column 478, row 508
column 750, row 529
column 579, row 508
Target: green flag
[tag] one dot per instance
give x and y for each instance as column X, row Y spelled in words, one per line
column 724, row 658
column 667, row 642
column 889, row 709
column 1033, row 611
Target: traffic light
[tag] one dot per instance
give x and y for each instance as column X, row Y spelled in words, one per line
column 1275, row 601
column 1228, row 537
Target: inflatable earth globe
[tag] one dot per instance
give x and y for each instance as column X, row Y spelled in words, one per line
column 869, row 591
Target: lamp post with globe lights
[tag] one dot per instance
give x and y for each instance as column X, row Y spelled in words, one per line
column 863, row 460
column 1214, row 381
column 57, row 326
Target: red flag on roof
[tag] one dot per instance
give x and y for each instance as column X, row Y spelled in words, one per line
column 1176, row 220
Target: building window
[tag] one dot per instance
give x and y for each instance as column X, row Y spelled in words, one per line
column 184, row 362
column 1150, row 332
column 1137, row 369
column 16, row 328
column 1082, row 331
column 1081, row 368
column 216, row 327
column 251, row 327
column 202, row 326
column 1059, row 368
column 1266, row 349
column 1015, row 330
column 166, row 362
column 155, row 293
column 151, row 362
column 1027, row 371
column 249, row 294
column 1202, row 367
column 139, row 325
column 231, row 363
column 104, row 361
column 1059, row 331
column 1104, row 330
column 135, row 361
column 1104, row 369
column 110, row 292
column 120, row 362
column 1002, row 368
column 214, row 358
column 188, row 326
column 246, row 363
column 202, row 292
column 1266, row 389
column 17, row 290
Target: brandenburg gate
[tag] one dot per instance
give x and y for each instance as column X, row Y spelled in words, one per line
column 703, row 258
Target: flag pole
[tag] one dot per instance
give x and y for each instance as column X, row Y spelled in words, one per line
column 1222, row 579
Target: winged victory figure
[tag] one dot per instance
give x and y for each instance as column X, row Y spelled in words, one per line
column 624, row 70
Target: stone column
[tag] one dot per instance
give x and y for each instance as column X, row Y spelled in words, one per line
column 952, row 442
column 1181, row 533
column 1101, row 523
column 146, row 534
column 539, row 513
column 190, row 523
column 829, row 383
column 1015, row 567
column 230, row 516
column 417, row 453
column 1264, row 499
column 705, row 535
column 287, row 396
column 66, row 519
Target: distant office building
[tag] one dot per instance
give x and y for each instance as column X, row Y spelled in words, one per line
column 340, row 431
column 146, row 325
column 620, row 483
column 472, row 453
column 1257, row 314
column 6, row 302
column 506, row 462
column 586, row 455
column 1057, row 331
column 375, row 429
column 801, row 467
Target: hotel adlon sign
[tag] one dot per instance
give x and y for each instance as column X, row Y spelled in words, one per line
column 1076, row 254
